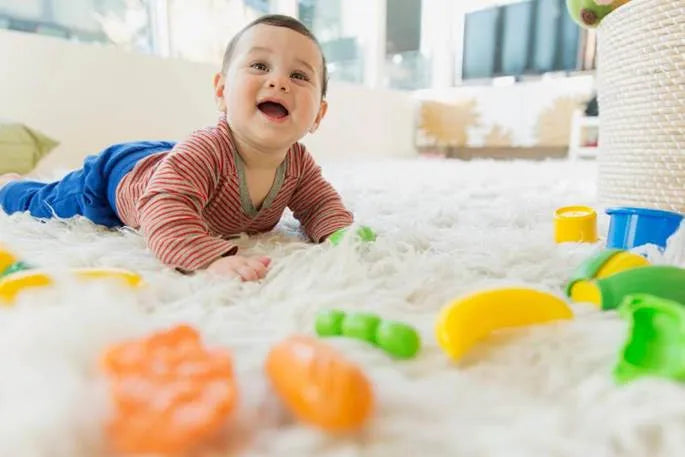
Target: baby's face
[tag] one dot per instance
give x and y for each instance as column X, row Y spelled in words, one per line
column 273, row 87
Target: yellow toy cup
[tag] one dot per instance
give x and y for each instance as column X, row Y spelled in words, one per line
column 575, row 224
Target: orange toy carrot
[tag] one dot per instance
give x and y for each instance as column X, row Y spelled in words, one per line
column 318, row 384
column 169, row 392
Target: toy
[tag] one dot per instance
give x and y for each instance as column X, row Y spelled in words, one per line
column 329, row 323
column 575, row 224
column 319, row 385
column 16, row 276
column 656, row 339
column 15, row 268
column 587, row 13
column 364, row 233
column 659, row 280
column 467, row 320
column 11, row 285
column 170, row 393
column 360, row 326
column 606, row 263
column 395, row 338
column 9, row 263
column 631, row 227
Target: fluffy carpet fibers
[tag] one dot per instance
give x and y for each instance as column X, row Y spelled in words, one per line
column 445, row 228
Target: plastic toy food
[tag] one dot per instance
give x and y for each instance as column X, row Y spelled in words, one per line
column 659, row 280
column 12, row 284
column 361, row 326
column 6, row 260
column 15, row 268
column 318, row 385
column 170, row 393
column 614, row 3
column 329, row 323
column 656, row 341
column 396, row 338
column 467, row 320
column 606, row 263
column 364, row 233
column 16, row 276
column 575, row 224
column 587, row 13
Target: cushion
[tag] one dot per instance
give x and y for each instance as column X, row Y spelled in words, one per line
column 21, row 147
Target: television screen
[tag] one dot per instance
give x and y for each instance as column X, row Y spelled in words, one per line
column 570, row 43
column 516, row 27
column 547, row 17
column 480, row 38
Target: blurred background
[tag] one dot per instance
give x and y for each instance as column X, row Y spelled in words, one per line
column 470, row 78
column 399, row 44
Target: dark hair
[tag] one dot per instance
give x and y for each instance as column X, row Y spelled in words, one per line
column 277, row 20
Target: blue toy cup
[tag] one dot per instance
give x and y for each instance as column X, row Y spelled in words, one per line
column 632, row 227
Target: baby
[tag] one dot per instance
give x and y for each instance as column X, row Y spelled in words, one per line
column 189, row 199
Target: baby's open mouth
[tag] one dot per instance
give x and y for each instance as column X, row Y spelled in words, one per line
column 273, row 109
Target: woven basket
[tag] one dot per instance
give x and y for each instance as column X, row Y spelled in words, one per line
column 641, row 93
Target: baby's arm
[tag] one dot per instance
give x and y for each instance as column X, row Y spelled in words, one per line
column 316, row 204
column 170, row 212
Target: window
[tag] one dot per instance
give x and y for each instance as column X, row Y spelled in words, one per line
column 403, row 26
column 199, row 30
column 125, row 23
column 196, row 30
column 262, row 6
column 515, row 40
column 406, row 66
column 336, row 25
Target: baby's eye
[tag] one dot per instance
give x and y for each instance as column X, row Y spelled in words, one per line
column 298, row 75
column 259, row 66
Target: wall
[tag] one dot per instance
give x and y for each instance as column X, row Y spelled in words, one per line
column 89, row 96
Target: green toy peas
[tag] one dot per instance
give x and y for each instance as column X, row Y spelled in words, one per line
column 361, row 326
column 364, row 233
column 396, row 338
column 329, row 323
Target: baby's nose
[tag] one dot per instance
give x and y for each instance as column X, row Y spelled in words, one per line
column 279, row 84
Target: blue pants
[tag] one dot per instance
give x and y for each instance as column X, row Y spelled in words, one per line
column 89, row 192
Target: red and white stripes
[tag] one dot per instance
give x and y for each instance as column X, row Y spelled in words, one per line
column 187, row 201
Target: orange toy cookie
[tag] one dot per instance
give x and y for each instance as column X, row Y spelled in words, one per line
column 170, row 393
column 319, row 385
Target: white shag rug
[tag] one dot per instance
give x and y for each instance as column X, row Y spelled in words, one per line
column 445, row 228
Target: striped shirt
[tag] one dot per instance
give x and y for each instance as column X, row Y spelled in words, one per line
column 189, row 202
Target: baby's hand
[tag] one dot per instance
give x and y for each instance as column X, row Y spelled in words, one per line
column 246, row 268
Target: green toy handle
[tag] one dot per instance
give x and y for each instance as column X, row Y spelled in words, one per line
column 590, row 267
column 658, row 280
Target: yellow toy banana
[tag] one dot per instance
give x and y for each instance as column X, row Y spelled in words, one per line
column 467, row 320
column 16, row 276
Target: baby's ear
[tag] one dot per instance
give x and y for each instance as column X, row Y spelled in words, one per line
column 219, row 88
column 322, row 112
